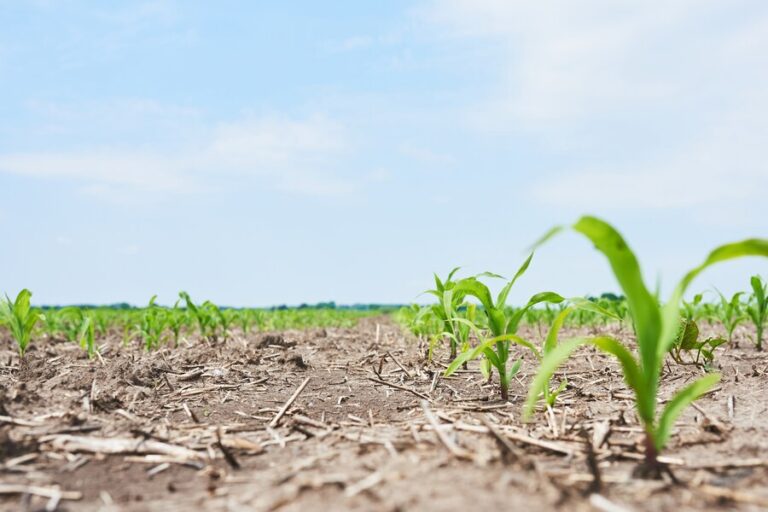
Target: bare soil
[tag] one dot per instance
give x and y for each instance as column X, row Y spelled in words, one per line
column 201, row 427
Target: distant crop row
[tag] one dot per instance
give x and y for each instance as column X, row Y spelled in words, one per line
column 155, row 326
column 488, row 331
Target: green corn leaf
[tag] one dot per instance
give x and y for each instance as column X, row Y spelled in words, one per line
column 438, row 284
column 451, row 274
column 546, row 237
column 551, row 341
column 492, row 275
column 547, row 368
column 559, row 354
column 678, row 403
column 21, row 306
column 473, row 287
column 588, row 305
column 462, row 358
column 485, row 346
column 492, row 357
column 758, row 288
column 643, row 307
column 485, row 368
column 502, row 299
column 550, row 297
column 514, row 369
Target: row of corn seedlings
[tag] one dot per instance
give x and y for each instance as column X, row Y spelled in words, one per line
column 660, row 328
column 155, row 325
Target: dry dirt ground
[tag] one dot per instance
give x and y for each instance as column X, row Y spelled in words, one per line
column 371, row 426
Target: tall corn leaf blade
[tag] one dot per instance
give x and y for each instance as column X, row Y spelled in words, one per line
column 643, row 306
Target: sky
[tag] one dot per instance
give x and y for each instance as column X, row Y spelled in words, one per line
column 257, row 153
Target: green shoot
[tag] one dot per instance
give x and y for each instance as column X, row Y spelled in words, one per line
column 730, row 313
column 758, row 308
column 86, row 336
column 21, row 318
column 656, row 327
column 153, row 323
column 502, row 324
column 446, row 309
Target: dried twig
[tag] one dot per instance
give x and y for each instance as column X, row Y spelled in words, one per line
column 393, row 358
column 118, row 445
column 284, row 408
column 228, row 456
column 447, row 441
column 508, row 452
column 44, row 492
column 401, row 388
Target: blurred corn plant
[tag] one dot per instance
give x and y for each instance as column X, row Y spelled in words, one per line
column 205, row 315
column 449, row 300
column 153, row 322
column 758, row 308
column 21, row 318
column 86, row 335
column 730, row 313
column 656, row 327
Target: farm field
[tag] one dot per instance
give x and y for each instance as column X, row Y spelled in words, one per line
column 422, row 255
column 205, row 426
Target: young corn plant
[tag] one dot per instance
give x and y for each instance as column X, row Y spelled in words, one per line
column 656, row 327
column 176, row 319
column 502, row 324
column 758, row 308
column 153, row 323
column 205, row 316
column 693, row 310
column 21, row 318
column 549, row 393
column 86, row 336
column 730, row 313
column 448, row 301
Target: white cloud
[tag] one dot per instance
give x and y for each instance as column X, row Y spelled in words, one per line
column 292, row 155
column 565, row 60
column 426, row 155
column 681, row 85
column 353, row 43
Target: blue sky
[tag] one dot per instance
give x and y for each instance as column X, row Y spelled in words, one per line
column 258, row 153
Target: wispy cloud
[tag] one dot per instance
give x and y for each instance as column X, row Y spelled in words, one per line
column 291, row 155
column 680, row 86
column 426, row 155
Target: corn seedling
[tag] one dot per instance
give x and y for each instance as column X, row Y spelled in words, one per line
column 86, row 336
column 448, row 302
column 502, row 324
column 730, row 313
column 204, row 315
column 692, row 311
column 21, row 318
column 758, row 308
column 153, row 323
column 656, row 327
column 577, row 305
column 176, row 319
